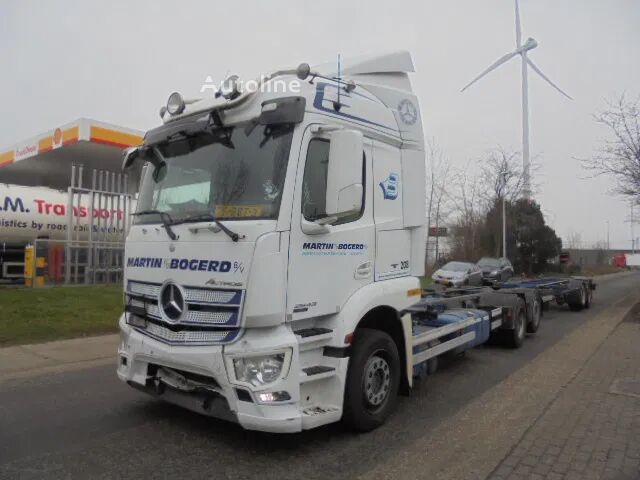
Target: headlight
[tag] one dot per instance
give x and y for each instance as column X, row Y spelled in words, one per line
column 258, row 370
column 495, row 272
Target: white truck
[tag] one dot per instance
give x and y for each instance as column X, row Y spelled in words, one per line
column 272, row 267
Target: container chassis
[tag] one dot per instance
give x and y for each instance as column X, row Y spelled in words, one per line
column 457, row 319
column 575, row 292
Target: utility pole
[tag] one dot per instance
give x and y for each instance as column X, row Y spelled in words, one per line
column 608, row 243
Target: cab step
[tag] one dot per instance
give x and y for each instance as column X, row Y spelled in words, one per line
column 316, row 372
column 309, row 338
column 312, row 332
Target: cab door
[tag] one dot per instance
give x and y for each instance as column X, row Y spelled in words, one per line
column 325, row 269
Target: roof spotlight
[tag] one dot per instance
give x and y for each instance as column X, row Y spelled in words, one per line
column 175, row 104
column 303, row 71
column 231, row 87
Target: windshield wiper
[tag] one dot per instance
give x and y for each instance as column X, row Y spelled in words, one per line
column 165, row 218
column 207, row 217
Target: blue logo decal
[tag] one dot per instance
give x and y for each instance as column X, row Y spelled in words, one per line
column 390, row 186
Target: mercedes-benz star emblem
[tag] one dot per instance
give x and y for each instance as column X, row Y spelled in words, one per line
column 172, row 301
column 408, row 112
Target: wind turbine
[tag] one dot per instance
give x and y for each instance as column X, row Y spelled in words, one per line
column 522, row 49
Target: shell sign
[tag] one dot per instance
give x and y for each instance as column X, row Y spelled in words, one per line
column 57, row 138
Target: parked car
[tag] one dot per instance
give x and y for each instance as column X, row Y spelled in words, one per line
column 495, row 269
column 456, row 274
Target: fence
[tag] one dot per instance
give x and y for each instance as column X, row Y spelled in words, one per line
column 98, row 219
column 58, row 262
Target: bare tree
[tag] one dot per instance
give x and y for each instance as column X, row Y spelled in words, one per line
column 501, row 174
column 619, row 156
column 438, row 173
column 470, row 214
column 574, row 240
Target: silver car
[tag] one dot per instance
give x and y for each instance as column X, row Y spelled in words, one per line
column 457, row 274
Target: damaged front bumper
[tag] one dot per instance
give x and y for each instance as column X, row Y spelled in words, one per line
column 195, row 377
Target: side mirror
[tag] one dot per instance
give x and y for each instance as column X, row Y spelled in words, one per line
column 344, row 174
column 129, row 157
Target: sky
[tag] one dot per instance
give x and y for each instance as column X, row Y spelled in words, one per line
column 118, row 61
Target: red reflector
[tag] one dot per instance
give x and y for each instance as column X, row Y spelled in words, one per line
column 348, row 338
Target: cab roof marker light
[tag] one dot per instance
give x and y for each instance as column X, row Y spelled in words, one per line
column 270, row 107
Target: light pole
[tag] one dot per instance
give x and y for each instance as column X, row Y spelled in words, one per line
column 504, row 214
column 633, row 250
column 504, row 228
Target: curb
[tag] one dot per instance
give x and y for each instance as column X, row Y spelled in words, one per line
column 58, row 356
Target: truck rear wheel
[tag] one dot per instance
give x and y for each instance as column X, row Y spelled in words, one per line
column 514, row 338
column 589, row 296
column 536, row 313
column 371, row 390
column 578, row 299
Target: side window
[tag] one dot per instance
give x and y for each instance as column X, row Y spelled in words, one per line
column 314, row 183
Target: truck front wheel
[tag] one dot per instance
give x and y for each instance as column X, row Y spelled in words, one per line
column 371, row 391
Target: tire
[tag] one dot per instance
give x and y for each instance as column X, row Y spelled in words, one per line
column 514, row 338
column 578, row 300
column 373, row 377
column 536, row 315
column 589, row 298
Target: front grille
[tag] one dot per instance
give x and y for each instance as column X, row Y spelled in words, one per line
column 189, row 337
column 204, row 296
column 211, row 316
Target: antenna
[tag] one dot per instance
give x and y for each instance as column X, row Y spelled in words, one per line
column 337, row 105
column 522, row 49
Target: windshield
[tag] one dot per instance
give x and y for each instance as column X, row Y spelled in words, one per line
column 230, row 173
column 456, row 267
column 488, row 262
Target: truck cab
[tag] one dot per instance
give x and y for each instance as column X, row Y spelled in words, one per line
column 278, row 238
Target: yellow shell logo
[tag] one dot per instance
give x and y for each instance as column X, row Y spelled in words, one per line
column 57, row 137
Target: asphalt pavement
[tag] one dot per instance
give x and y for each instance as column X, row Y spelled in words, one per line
column 86, row 424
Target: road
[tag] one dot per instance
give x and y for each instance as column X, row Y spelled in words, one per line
column 86, row 424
